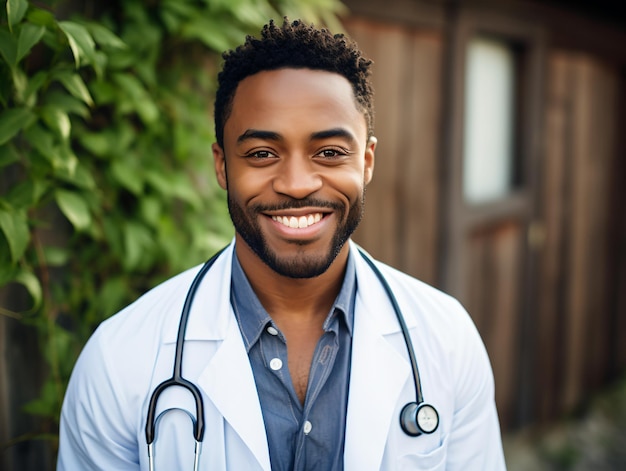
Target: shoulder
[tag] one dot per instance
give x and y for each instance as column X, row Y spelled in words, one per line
column 122, row 345
column 422, row 302
column 439, row 325
column 150, row 310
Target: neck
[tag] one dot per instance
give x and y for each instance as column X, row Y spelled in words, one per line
column 293, row 300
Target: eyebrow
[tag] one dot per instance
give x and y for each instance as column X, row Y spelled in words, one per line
column 258, row 134
column 334, row 132
column 274, row 136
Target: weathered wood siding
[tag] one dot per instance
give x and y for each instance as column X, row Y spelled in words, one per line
column 545, row 282
column 401, row 221
column 575, row 325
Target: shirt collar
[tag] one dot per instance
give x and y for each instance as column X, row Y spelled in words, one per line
column 253, row 318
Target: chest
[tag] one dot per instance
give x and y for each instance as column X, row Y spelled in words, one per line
column 303, row 394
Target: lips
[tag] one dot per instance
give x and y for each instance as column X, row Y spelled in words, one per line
column 299, row 222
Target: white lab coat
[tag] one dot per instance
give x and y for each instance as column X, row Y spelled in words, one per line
column 104, row 412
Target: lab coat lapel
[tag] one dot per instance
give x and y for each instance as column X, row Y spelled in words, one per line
column 229, row 382
column 228, row 379
column 379, row 373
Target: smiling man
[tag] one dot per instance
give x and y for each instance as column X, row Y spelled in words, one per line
column 295, row 357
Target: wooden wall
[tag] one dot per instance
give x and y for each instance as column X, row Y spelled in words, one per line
column 402, row 210
column 546, row 281
column 578, row 334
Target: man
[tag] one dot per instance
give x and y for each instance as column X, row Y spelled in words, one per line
column 292, row 340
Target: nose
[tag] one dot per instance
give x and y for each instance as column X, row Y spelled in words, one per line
column 297, row 177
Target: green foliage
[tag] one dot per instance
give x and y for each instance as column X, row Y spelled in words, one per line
column 106, row 180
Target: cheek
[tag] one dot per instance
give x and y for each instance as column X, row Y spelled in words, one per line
column 246, row 185
column 351, row 184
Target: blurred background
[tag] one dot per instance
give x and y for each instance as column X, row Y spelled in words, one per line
column 500, row 179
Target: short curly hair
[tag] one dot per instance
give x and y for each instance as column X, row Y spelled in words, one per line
column 295, row 45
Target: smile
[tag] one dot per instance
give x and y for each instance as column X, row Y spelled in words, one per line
column 301, row 222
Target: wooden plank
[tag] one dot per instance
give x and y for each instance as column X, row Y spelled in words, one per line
column 420, row 178
column 577, row 292
column 400, row 225
column 386, row 46
column 550, row 289
column 603, row 82
column 493, row 274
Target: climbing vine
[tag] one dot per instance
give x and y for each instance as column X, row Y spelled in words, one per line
column 106, row 181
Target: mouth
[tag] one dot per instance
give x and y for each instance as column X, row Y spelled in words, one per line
column 299, row 222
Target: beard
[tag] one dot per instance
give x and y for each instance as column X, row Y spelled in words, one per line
column 303, row 264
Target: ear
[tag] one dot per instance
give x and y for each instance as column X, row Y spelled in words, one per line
column 219, row 163
column 369, row 159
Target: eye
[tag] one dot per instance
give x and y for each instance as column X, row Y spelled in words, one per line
column 260, row 155
column 332, row 153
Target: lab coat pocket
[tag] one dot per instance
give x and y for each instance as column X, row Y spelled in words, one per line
column 434, row 460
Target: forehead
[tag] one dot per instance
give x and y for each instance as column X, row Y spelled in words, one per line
column 295, row 98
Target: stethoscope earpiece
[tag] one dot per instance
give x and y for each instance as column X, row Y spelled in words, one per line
column 416, row 419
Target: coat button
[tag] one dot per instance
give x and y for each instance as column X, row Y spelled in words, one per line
column 276, row 364
column 272, row 330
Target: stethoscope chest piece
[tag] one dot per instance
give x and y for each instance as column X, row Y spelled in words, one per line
column 416, row 419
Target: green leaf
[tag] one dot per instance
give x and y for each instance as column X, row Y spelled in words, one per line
column 65, row 162
column 42, row 140
column 99, row 144
column 13, row 121
column 56, row 256
column 33, row 86
column 143, row 103
column 203, row 28
column 32, row 285
column 57, row 120
column 128, row 175
column 8, row 47
column 41, row 17
column 15, row 11
column 136, row 242
column 47, row 404
column 78, row 176
column 74, row 84
column 67, row 103
column 105, row 38
column 74, row 208
column 27, row 193
column 112, row 295
column 82, row 44
column 8, row 155
column 29, row 36
column 14, row 225
column 8, row 272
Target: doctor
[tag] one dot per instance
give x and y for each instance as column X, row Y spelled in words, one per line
column 292, row 340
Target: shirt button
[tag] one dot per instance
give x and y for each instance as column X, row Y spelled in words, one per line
column 276, row 364
column 272, row 330
column 307, row 427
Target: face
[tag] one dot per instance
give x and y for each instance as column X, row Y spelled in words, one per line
column 295, row 163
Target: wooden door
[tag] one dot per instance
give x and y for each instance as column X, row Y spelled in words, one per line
column 490, row 240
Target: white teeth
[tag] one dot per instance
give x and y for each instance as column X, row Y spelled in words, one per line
column 301, row 222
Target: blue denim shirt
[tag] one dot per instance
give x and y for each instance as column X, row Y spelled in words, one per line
column 309, row 436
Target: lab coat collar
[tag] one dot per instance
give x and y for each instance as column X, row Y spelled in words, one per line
column 210, row 312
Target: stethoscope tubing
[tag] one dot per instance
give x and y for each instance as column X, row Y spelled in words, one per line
column 405, row 330
column 177, row 378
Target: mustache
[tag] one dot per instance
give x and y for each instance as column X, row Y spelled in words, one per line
column 297, row 204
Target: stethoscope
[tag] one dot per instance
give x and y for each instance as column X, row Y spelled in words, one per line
column 415, row 418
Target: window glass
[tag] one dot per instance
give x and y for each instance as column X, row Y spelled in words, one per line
column 488, row 146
